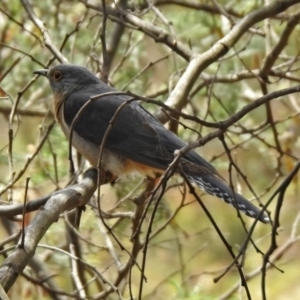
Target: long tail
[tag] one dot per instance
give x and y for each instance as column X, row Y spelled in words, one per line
column 212, row 184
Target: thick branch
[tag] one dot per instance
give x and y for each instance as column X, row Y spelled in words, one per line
column 199, row 62
column 67, row 199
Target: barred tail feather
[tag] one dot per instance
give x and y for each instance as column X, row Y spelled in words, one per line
column 214, row 186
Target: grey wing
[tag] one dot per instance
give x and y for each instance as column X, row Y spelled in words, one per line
column 132, row 134
column 135, row 134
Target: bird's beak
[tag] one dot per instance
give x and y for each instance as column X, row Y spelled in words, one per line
column 43, row 72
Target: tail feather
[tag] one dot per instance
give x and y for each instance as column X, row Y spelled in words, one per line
column 216, row 187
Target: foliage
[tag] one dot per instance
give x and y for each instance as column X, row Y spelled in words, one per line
column 184, row 54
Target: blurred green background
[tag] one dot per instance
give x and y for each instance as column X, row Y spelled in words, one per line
column 184, row 258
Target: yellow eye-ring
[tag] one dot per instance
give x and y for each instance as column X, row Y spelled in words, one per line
column 57, row 75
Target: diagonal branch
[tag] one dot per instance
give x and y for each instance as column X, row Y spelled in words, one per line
column 67, row 199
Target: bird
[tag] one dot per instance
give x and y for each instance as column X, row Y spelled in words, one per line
column 135, row 141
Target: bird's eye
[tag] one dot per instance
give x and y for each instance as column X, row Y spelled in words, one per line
column 57, row 75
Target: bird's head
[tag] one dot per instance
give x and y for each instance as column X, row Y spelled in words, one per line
column 68, row 78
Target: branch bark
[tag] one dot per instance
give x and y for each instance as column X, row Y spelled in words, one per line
column 67, row 199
